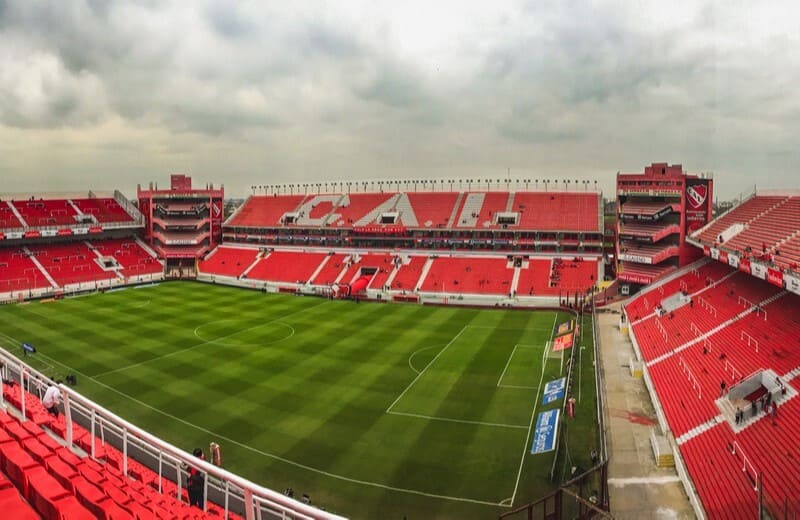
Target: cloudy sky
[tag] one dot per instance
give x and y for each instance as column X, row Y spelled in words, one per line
column 107, row 94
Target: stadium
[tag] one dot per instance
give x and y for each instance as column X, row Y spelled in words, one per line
column 425, row 350
column 406, row 260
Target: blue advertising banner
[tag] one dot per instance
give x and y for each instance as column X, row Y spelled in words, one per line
column 544, row 436
column 554, row 390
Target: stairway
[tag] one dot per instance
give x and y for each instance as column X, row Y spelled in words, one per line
column 424, row 274
column 41, row 267
column 454, row 213
column 75, row 207
column 515, row 280
column 471, row 210
column 255, row 262
column 17, row 214
column 510, row 203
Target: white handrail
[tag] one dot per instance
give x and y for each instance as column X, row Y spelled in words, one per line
column 745, row 463
column 690, row 376
column 750, row 339
column 707, row 306
column 663, row 331
column 694, row 328
column 728, row 364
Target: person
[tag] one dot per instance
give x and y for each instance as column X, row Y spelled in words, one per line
column 738, row 415
column 722, row 388
column 196, row 482
column 593, row 455
column 52, row 398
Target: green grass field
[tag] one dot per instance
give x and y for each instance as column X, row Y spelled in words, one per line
column 372, row 409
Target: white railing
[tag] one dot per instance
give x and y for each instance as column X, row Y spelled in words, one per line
column 690, row 376
column 750, row 339
column 663, row 331
column 737, row 448
column 707, row 306
column 729, row 366
column 222, row 487
column 694, row 328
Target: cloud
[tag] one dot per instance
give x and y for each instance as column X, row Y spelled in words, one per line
column 366, row 89
column 37, row 90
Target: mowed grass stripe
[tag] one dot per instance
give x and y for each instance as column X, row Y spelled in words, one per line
column 313, row 404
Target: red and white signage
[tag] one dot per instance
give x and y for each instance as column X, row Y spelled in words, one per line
column 792, row 283
column 744, row 265
column 635, row 278
column 775, row 277
column 759, row 271
column 698, row 195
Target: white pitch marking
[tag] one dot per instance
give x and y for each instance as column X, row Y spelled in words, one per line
column 533, row 413
column 417, row 352
column 507, row 363
column 426, row 368
column 27, row 308
column 217, row 341
column 461, row 421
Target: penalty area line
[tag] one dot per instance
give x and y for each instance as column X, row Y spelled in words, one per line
column 460, row 421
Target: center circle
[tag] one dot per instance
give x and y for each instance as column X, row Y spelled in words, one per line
column 239, row 333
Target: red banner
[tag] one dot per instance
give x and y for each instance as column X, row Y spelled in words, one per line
column 723, row 257
column 744, row 265
column 698, row 197
column 63, row 232
column 775, row 277
column 32, row 234
column 563, row 342
column 635, row 278
column 380, row 230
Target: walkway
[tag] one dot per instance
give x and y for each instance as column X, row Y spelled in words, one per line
column 637, row 488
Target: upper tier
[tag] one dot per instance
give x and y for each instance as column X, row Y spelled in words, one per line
column 534, row 211
column 766, row 226
column 37, row 213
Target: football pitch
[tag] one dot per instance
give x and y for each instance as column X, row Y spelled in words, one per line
column 374, row 410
